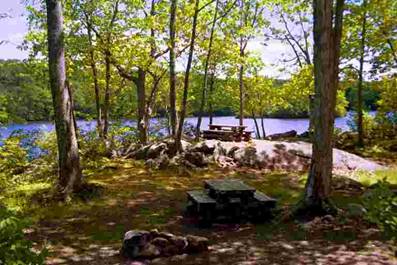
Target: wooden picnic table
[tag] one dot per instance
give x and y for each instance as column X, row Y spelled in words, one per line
column 229, row 199
column 227, row 132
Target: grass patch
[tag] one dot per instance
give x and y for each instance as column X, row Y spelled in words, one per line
column 112, row 233
column 370, row 178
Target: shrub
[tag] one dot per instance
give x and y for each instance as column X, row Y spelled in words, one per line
column 14, row 248
column 381, row 205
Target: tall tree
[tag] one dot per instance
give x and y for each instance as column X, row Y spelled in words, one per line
column 327, row 34
column 70, row 176
column 172, row 32
column 360, row 76
column 206, row 65
column 187, row 75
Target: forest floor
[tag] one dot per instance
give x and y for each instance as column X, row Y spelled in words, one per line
column 90, row 230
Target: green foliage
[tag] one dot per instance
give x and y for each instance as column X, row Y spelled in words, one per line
column 14, row 248
column 23, row 91
column 381, row 205
column 13, row 160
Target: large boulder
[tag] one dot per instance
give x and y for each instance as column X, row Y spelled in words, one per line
column 133, row 242
column 245, row 156
column 155, row 150
column 205, row 147
column 196, row 158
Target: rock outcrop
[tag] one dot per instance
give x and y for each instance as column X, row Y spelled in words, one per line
column 261, row 154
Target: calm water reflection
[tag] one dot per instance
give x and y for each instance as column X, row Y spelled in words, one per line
column 271, row 125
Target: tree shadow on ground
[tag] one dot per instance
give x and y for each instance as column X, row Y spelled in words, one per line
column 133, row 197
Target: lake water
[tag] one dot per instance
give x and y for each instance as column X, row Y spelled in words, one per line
column 272, row 125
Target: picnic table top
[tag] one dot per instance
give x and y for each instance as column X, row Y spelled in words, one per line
column 227, row 126
column 228, row 185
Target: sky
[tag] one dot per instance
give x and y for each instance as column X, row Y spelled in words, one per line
column 13, row 29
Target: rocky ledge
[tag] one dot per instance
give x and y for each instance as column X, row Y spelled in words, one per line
column 261, row 154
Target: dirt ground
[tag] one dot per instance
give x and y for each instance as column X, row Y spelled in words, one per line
column 133, row 197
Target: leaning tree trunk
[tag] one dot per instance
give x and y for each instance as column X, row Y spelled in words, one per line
column 186, row 80
column 263, row 126
column 96, row 85
column 141, row 95
column 326, row 64
column 258, row 133
column 360, row 128
column 70, row 176
column 172, row 68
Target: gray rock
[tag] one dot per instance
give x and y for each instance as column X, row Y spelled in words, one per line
column 196, row 244
column 355, row 210
column 170, row 250
column 149, row 251
column 204, row 147
column 246, row 156
column 166, row 235
column 141, row 153
column 160, row 242
column 155, row 150
column 180, row 242
column 196, row 158
column 133, row 241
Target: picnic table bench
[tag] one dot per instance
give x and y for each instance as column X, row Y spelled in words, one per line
column 227, row 132
column 230, row 200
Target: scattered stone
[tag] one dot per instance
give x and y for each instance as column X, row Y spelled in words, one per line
column 170, row 250
column 166, row 235
column 180, row 242
column 153, row 244
column 149, row 251
column 133, row 242
column 154, row 233
column 196, row 244
column 160, row 242
column 328, row 218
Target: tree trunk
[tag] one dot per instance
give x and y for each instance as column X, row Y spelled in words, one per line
column 360, row 128
column 186, row 80
column 172, row 68
column 141, row 95
column 243, row 44
column 70, row 176
column 258, row 134
column 210, row 99
column 106, row 103
column 263, row 127
column 326, row 65
column 207, row 60
column 96, row 85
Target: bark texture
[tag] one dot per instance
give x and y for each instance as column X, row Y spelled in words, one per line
column 172, row 68
column 186, row 80
column 70, row 177
column 327, row 36
column 207, row 61
column 360, row 128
